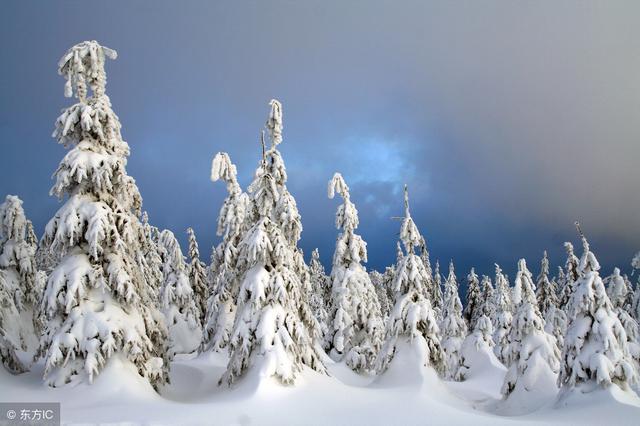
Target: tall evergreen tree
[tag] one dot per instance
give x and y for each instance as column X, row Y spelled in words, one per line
column 274, row 331
column 197, row 278
column 320, row 296
column 355, row 327
column 488, row 298
column 177, row 297
column 547, row 298
column 437, row 292
column 412, row 323
column 617, row 291
column 533, row 356
column 378, row 281
column 503, row 317
column 454, row 328
column 595, row 349
column 226, row 271
column 18, row 283
column 571, row 276
column 473, row 308
column 97, row 299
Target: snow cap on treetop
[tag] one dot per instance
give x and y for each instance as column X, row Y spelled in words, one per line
column 274, row 122
column 223, row 168
column 337, row 184
column 84, row 64
column 588, row 261
column 409, row 233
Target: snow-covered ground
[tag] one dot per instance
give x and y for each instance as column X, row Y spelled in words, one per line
column 399, row 397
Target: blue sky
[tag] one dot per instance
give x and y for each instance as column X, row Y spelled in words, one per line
column 508, row 120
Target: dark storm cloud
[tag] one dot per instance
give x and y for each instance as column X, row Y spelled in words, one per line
column 508, row 120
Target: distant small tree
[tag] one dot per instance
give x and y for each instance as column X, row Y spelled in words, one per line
column 571, row 276
column 473, row 307
column 488, row 298
column 454, row 328
column 503, row 317
column 377, row 279
column 197, row 278
column 177, row 297
column 320, row 297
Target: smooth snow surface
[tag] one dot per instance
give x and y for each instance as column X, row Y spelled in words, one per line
column 407, row 394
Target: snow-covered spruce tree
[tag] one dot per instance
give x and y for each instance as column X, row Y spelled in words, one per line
column 488, row 298
column 274, row 330
column 473, row 308
column 97, row 300
column 533, row 356
column 432, row 293
column 635, row 304
column 377, row 279
column 477, row 349
column 197, row 277
column 503, row 316
column 177, row 297
column 454, row 328
column 546, row 295
column 628, row 303
column 355, row 325
column 561, row 280
column 571, row 276
column 320, row 295
column 412, row 321
column 225, row 272
column 617, row 291
column 20, row 275
column 437, row 292
column 595, row 350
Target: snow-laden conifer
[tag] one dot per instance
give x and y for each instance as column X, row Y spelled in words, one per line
column 533, row 356
column 320, row 296
column 432, row 292
column 225, row 272
column 437, row 292
column 274, row 331
column 488, row 298
column 595, row 349
column 547, row 298
column 177, row 297
column 378, row 281
column 20, row 321
column 571, row 275
column 617, row 291
column 473, row 308
column 355, row 325
column 97, row 299
column 454, row 328
column 197, row 277
column 412, row 322
column 477, row 350
column 503, row 316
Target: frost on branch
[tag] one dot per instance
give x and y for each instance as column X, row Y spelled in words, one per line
column 355, row 326
column 454, row 328
column 412, row 321
column 595, row 349
column 100, row 298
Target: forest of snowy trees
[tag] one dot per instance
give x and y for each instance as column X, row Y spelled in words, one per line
column 103, row 282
